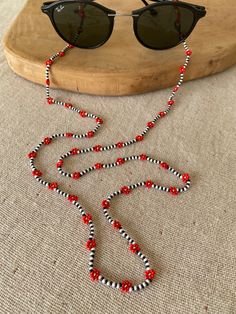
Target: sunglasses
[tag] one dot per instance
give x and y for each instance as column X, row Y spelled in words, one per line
column 87, row 24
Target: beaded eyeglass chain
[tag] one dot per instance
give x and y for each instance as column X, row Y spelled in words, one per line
column 94, row 273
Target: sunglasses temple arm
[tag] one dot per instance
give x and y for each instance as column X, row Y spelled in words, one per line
column 159, row 1
column 145, row 2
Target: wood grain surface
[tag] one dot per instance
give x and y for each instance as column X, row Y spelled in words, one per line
column 122, row 66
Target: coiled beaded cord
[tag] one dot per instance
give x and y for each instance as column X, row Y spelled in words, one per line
column 94, row 273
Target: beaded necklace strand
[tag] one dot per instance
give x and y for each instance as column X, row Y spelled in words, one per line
column 94, row 273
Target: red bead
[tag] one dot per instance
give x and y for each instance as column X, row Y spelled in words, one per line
column 164, row 165
column 53, row 185
column 47, row 82
column 116, row 224
column 69, row 134
column 173, row 190
column 120, row 161
column 148, row 184
column 49, row 62
column 182, row 69
column 99, row 120
column 76, row 175
column 162, row 114
column 97, row 148
column 90, row 244
column 61, row 53
column 59, row 163
column 150, row 124
column 171, row 102
column 74, row 151
column 125, row 190
column 105, row 204
column 175, row 89
column 37, row 173
column 185, row 177
column 32, row 155
column 90, row 134
column 119, row 144
column 87, row 218
column 83, row 114
column 50, row 101
column 188, row 52
column 68, row 106
column 71, row 46
column 94, row 274
column 47, row 140
column 139, row 138
column 98, row 165
column 143, row 157
column 150, row 274
column 125, row 286
column 72, row 198
column 82, row 14
column 134, row 248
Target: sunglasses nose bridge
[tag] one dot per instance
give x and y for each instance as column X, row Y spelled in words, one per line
column 122, row 14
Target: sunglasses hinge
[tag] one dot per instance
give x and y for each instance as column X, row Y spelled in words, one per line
column 122, row 14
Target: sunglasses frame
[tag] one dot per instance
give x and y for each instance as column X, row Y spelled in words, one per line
column 197, row 10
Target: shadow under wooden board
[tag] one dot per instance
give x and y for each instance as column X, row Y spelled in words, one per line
column 122, row 66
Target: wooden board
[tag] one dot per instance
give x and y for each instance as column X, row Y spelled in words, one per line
column 122, row 66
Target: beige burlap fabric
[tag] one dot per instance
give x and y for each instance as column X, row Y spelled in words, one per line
column 190, row 240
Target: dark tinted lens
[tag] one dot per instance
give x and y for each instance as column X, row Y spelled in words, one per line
column 82, row 25
column 164, row 26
